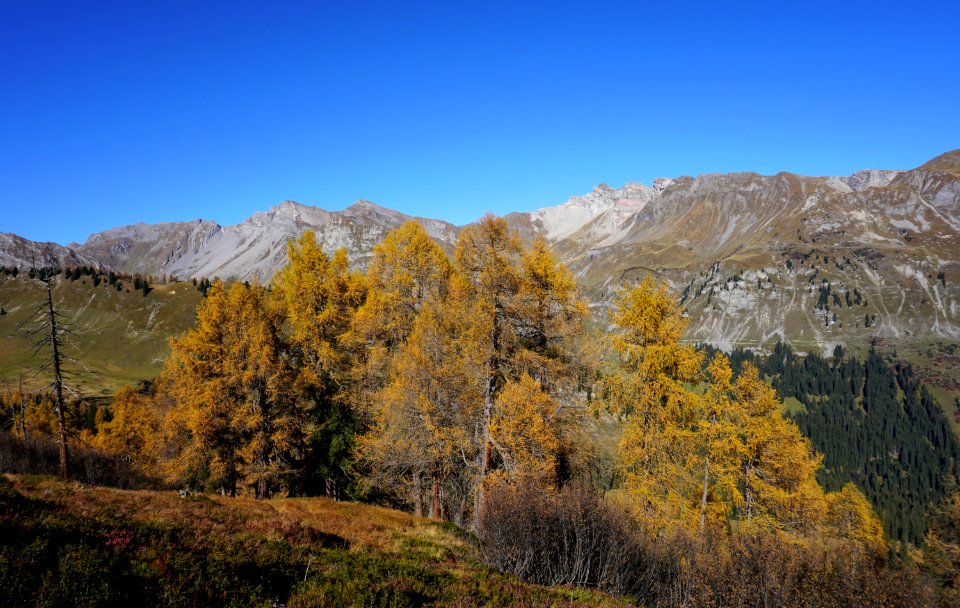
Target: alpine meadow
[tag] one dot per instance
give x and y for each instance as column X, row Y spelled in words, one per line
column 657, row 305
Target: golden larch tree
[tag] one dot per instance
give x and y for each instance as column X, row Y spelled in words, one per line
column 236, row 421
column 529, row 312
column 647, row 389
column 129, row 428
column 423, row 425
column 407, row 270
column 318, row 296
column 701, row 448
column 527, row 430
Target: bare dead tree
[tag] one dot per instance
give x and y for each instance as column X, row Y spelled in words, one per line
column 46, row 324
column 56, row 361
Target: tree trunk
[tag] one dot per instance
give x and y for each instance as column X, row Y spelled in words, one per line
column 706, row 482
column 417, row 495
column 435, row 498
column 703, row 498
column 488, row 399
column 58, row 387
column 444, row 512
column 486, row 456
column 23, row 409
column 263, row 457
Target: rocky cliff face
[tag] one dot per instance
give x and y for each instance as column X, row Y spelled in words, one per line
column 16, row 251
column 254, row 248
column 148, row 248
column 816, row 260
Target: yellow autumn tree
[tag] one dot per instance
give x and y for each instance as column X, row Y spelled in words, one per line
column 850, row 516
column 722, row 457
column 538, row 403
column 14, row 403
column 647, row 389
column 236, row 421
column 407, row 270
column 129, row 428
column 527, row 430
column 30, row 414
column 269, row 418
column 504, row 315
column 529, row 312
column 318, row 296
column 423, row 427
column 716, row 445
column 549, row 313
column 198, row 427
column 777, row 465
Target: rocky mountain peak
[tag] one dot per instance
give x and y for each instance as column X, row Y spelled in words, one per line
column 367, row 211
column 364, row 205
column 661, row 183
column 948, row 162
column 287, row 207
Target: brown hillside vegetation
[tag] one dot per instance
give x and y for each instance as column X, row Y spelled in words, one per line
column 68, row 544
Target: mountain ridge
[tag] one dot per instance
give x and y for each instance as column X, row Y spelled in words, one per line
column 751, row 253
column 548, row 221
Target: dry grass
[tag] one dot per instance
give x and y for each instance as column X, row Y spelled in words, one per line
column 290, row 551
column 289, row 519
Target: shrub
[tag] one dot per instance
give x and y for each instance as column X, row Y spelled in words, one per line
column 42, row 457
column 568, row 538
column 574, row 538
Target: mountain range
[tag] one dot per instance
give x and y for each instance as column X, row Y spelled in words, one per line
column 865, row 258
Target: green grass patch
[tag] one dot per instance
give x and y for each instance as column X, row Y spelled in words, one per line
column 118, row 337
column 792, row 405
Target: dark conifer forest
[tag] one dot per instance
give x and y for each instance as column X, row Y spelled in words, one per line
column 876, row 425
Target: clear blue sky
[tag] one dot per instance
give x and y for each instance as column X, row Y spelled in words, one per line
column 112, row 113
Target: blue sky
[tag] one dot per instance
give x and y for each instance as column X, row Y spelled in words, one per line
column 112, row 113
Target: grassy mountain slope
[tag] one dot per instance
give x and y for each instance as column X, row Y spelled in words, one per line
column 119, row 336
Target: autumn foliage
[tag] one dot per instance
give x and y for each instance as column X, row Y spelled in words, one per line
column 468, row 387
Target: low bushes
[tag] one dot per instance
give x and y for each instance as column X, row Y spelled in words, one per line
column 42, row 457
column 573, row 537
column 568, row 538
